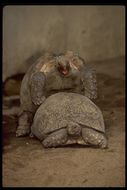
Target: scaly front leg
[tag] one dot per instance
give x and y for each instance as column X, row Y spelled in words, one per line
column 89, row 82
column 37, row 88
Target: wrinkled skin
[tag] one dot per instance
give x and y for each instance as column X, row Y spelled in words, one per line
column 51, row 74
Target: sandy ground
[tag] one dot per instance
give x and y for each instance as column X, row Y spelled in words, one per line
column 27, row 164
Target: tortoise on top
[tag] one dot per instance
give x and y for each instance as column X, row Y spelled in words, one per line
column 68, row 118
column 51, row 74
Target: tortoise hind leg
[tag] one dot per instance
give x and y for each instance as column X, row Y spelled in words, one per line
column 55, row 139
column 25, row 120
column 94, row 137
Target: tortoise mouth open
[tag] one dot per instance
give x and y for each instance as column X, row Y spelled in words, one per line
column 64, row 72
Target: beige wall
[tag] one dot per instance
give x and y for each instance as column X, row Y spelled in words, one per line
column 95, row 32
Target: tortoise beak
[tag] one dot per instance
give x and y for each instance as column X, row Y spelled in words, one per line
column 65, row 71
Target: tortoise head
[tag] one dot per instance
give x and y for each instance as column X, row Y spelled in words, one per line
column 68, row 64
column 62, row 65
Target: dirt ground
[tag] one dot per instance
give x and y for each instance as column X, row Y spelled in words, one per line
column 27, row 164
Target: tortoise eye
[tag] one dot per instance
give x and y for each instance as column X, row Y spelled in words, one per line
column 68, row 65
column 74, row 59
column 59, row 64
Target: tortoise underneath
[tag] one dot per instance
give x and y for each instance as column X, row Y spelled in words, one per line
column 69, row 118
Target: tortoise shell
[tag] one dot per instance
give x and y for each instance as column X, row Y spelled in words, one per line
column 61, row 108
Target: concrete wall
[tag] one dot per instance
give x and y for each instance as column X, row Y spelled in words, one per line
column 96, row 32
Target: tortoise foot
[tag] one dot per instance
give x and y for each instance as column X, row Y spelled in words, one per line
column 55, row 139
column 22, row 131
column 95, row 138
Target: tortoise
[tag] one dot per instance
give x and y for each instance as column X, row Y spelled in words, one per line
column 68, row 118
column 50, row 74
